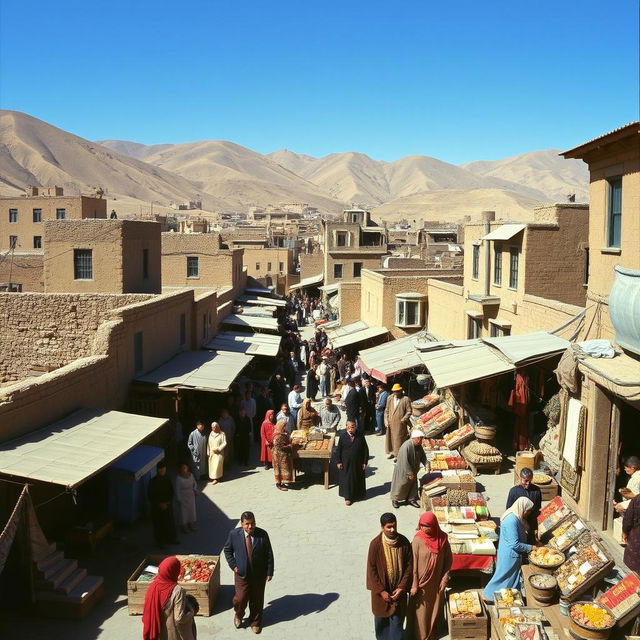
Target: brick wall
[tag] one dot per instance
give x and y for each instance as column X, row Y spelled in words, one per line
column 25, row 269
column 311, row 264
column 350, row 310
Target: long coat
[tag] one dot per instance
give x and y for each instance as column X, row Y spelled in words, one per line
column 177, row 617
column 377, row 578
column 235, row 552
column 353, row 455
column 509, row 560
column 410, row 458
column 396, row 419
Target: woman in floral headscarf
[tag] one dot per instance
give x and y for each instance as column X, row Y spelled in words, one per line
column 432, row 560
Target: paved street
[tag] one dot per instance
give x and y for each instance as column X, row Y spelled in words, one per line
column 320, row 550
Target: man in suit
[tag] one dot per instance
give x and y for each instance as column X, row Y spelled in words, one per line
column 250, row 556
column 352, row 404
column 367, row 404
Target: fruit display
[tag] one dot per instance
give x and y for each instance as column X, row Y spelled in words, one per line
column 439, row 501
column 567, row 533
column 545, row 557
column 465, row 604
column 433, row 444
column 437, row 419
column 459, row 436
column 475, row 499
column 580, row 567
column 439, row 461
column 195, row 570
column 427, row 401
column 591, row 615
column 508, row 598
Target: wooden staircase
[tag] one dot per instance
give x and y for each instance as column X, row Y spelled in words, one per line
column 64, row 590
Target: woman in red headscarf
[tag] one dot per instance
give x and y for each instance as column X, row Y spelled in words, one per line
column 266, row 438
column 431, row 565
column 167, row 614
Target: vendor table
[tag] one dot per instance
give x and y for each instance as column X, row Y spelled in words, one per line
column 497, row 632
column 324, row 455
column 559, row 623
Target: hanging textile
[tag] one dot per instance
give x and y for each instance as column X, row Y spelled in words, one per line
column 573, row 446
column 519, row 403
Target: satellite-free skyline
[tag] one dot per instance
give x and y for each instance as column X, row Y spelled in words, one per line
column 464, row 82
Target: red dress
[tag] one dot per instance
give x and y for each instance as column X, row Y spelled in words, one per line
column 266, row 438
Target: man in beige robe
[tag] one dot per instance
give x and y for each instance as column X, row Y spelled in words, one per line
column 396, row 421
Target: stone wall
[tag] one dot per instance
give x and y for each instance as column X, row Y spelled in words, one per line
column 41, row 332
column 26, row 269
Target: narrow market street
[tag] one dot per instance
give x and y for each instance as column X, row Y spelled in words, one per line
column 320, row 550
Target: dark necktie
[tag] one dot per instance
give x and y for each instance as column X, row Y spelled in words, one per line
column 249, row 545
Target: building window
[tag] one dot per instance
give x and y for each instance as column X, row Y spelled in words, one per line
column 183, row 329
column 357, row 269
column 13, row 215
column 138, row 362
column 83, row 264
column 281, row 267
column 407, row 313
column 37, row 242
column 268, row 267
column 496, row 330
column 37, row 215
column 145, row 263
column 475, row 265
column 474, row 327
column 497, row 265
column 614, row 208
column 341, row 238
column 257, row 266
column 337, row 270
column 514, row 259
column 193, row 267
column 13, row 242
column 61, row 214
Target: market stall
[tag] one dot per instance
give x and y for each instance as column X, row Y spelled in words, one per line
column 315, row 446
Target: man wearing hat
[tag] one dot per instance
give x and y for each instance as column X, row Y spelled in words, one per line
column 404, row 485
column 396, row 419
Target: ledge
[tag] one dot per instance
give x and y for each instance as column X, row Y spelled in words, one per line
column 612, row 251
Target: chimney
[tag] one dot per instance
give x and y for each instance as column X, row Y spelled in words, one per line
column 487, row 218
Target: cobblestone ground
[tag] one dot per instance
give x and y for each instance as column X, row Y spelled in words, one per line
column 320, row 545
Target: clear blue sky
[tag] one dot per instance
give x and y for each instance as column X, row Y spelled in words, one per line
column 461, row 80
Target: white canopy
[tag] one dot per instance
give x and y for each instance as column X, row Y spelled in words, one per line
column 521, row 349
column 255, row 344
column 205, row 370
column 251, row 322
column 261, row 301
column 505, row 232
column 308, row 282
column 358, row 336
column 70, row 451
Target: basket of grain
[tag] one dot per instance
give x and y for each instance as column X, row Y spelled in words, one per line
column 590, row 621
column 546, row 560
column 544, row 588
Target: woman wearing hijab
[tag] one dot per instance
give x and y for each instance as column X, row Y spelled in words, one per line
column 513, row 533
column 215, row 450
column 432, row 560
column 308, row 417
column 266, row 438
column 282, row 452
column 167, row 614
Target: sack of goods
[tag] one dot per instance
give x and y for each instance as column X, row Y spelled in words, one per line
column 482, row 453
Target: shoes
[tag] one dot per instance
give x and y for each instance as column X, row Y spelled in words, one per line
column 256, row 629
column 390, row 456
column 213, row 481
column 348, row 503
column 237, row 622
column 282, row 487
column 414, row 503
column 395, row 504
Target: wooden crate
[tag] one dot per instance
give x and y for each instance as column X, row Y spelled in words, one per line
column 452, row 482
column 204, row 592
column 469, row 628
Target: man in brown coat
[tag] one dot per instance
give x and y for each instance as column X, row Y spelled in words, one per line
column 389, row 576
column 396, row 420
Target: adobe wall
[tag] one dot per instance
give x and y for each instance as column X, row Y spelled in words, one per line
column 51, row 330
column 349, row 311
column 311, row 264
column 25, row 269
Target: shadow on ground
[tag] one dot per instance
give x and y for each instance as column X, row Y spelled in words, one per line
column 290, row 607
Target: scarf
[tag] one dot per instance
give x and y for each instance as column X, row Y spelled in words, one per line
column 157, row 597
column 392, row 559
column 518, row 508
column 435, row 540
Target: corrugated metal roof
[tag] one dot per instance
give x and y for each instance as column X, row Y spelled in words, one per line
column 346, row 329
column 574, row 150
column 260, row 312
column 457, row 365
column 252, row 322
column 254, row 344
column 358, row 336
column 261, row 301
column 208, row 370
column 70, row 451
column 308, row 282
column 392, row 357
column 504, row 232
column 529, row 346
